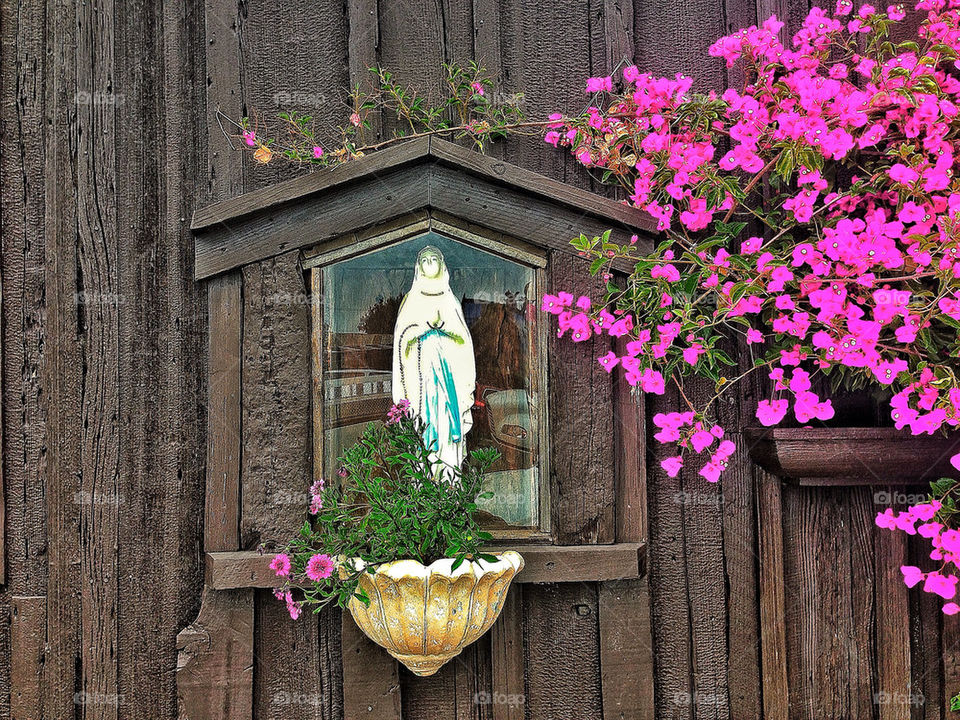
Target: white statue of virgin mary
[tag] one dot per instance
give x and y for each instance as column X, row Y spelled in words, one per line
column 433, row 362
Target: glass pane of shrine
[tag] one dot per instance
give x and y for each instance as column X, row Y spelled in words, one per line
column 361, row 300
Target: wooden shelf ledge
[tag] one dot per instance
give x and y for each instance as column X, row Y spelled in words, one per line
column 542, row 564
column 852, row 456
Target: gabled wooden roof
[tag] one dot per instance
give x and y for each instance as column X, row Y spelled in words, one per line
column 425, row 173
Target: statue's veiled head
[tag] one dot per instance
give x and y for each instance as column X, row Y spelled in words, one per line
column 430, row 263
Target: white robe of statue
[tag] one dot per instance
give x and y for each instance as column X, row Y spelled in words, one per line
column 433, row 362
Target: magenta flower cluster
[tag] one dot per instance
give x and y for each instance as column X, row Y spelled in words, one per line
column 842, row 149
column 811, row 215
column 924, row 520
column 398, row 412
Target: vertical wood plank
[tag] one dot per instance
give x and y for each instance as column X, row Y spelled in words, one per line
column 295, row 696
column 626, row 650
column 215, row 665
column 65, row 403
column 506, row 655
column 892, row 625
column 28, row 617
column 829, row 667
column 363, row 19
column 740, row 544
column 631, row 461
column 23, row 163
column 773, row 638
column 98, row 253
column 861, row 586
column 583, row 503
column 371, row 683
column 158, row 106
column 618, row 29
column 950, row 643
column 275, row 476
column 562, row 651
column 223, row 25
column 222, row 506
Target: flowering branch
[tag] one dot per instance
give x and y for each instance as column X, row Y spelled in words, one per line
column 849, row 146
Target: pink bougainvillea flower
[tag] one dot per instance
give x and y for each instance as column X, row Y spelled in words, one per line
column 609, row 361
column 672, row 465
column 902, row 174
column 250, row 138
column 281, row 565
column 951, row 608
column 319, row 567
column 943, row 585
column 317, row 152
column 652, row 382
column 599, row 84
column 701, row 440
column 911, row 575
column 771, row 412
column 711, row 471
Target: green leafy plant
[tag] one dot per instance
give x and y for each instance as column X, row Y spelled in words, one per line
column 467, row 105
column 393, row 502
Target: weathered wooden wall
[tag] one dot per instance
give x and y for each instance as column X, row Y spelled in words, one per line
column 780, row 604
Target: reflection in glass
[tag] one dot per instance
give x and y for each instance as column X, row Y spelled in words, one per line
column 361, row 298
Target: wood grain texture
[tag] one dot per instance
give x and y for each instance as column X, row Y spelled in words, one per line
column 313, row 642
column 828, row 637
column 626, row 650
column 221, row 527
column 506, row 657
column 275, row 475
column 561, row 642
column 583, row 498
column 160, row 323
column 65, row 395
column 773, row 617
column 216, row 659
column 542, row 564
column 28, row 636
column 371, row 687
column 852, row 456
column 892, row 626
column 741, row 556
column 23, row 330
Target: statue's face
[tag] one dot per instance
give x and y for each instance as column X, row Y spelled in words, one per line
column 430, row 266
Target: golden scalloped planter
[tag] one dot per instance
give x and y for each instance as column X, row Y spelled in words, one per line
column 424, row 616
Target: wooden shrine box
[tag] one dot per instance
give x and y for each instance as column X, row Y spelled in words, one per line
column 303, row 284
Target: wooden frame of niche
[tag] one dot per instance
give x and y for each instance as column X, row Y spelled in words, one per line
column 497, row 244
column 215, row 668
